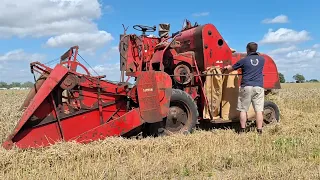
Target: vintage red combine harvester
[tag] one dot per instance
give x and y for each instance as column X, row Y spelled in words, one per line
column 178, row 83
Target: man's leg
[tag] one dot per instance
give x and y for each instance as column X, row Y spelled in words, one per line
column 258, row 105
column 243, row 119
column 244, row 101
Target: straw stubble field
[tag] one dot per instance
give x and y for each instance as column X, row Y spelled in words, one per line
column 289, row 150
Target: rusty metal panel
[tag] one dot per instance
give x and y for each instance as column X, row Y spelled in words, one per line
column 164, row 84
column 123, row 49
column 149, row 96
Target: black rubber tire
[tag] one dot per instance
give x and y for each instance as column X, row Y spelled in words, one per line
column 274, row 107
column 180, row 97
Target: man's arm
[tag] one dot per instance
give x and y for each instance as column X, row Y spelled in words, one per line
column 236, row 66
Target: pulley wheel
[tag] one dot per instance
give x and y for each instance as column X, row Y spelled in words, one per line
column 182, row 74
column 69, row 82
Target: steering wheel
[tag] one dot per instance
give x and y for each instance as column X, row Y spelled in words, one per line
column 144, row 29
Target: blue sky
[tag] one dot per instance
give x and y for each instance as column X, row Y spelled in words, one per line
column 41, row 31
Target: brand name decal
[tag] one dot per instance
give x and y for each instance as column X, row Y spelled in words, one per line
column 147, row 90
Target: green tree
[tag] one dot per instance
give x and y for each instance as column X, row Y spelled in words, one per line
column 281, row 77
column 3, row 85
column 299, row 78
column 313, row 80
column 15, row 84
column 27, row 84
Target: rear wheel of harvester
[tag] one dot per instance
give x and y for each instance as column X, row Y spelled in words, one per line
column 183, row 113
column 271, row 113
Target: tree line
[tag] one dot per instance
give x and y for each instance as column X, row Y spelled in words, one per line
column 27, row 84
column 298, row 78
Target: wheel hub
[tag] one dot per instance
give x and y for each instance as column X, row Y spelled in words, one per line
column 269, row 115
column 176, row 119
column 182, row 74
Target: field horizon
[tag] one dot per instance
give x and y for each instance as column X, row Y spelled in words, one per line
column 287, row 150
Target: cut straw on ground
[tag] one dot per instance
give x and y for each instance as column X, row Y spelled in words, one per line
column 289, row 150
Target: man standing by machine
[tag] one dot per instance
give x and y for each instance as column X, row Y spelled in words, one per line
column 251, row 89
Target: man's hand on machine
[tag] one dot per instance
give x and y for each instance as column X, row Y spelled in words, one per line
column 227, row 68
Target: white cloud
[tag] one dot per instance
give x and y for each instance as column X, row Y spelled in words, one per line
column 284, row 36
column 17, row 61
column 111, row 54
column 292, row 60
column 108, row 9
column 57, row 18
column 289, row 58
column 201, row 14
column 115, row 48
column 278, row 19
column 316, row 46
column 87, row 41
column 112, row 71
column 52, row 17
column 303, row 55
column 283, row 50
column 298, row 57
column 20, row 75
column 20, row 55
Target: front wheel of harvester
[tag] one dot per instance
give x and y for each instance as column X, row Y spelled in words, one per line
column 183, row 114
column 271, row 113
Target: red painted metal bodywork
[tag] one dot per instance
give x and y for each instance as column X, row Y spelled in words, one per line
column 154, row 94
column 37, row 100
column 196, row 48
column 204, row 42
column 69, row 106
column 201, row 44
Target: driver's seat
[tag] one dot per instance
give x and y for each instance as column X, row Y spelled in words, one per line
column 164, row 30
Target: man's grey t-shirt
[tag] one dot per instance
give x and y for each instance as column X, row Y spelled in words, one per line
column 252, row 70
